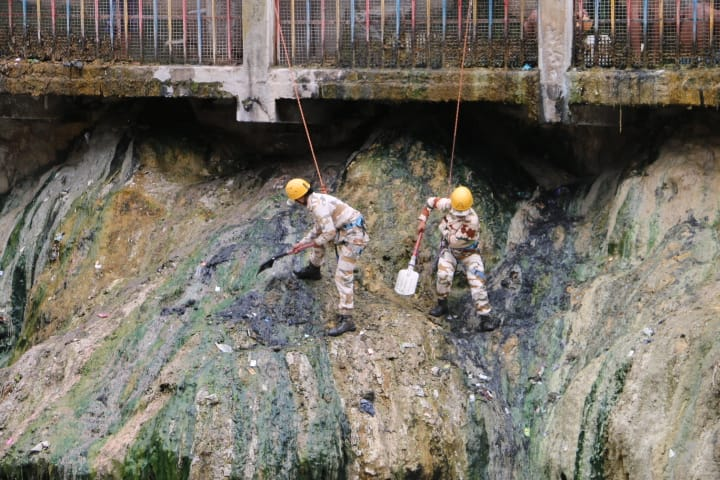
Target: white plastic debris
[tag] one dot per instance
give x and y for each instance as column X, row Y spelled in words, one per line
column 224, row 347
column 648, row 331
column 44, row 445
column 408, row 345
column 253, row 363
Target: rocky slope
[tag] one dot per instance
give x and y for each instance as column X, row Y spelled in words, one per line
column 138, row 340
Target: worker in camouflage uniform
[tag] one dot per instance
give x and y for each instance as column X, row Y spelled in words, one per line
column 460, row 234
column 335, row 222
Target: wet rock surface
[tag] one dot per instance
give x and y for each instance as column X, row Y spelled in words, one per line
column 138, row 339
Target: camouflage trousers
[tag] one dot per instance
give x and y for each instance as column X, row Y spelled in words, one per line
column 349, row 247
column 474, row 271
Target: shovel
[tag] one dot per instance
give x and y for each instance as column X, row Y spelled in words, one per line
column 269, row 263
column 407, row 279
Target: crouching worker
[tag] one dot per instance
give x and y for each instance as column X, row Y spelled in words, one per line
column 460, row 234
column 335, row 222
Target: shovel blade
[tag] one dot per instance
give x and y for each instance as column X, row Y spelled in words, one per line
column 265, row 266
column 406, row 282
column 270, row 262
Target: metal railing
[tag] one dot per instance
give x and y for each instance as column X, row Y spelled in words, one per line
column 407, row 33
column 145, row 31
column 646, row 33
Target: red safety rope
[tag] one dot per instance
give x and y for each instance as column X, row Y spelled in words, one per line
column 278, row 26
column 460, row 87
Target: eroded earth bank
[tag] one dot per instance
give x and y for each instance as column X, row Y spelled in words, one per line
column 138, row 341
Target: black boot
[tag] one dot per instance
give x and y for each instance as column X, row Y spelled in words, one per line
column 487, row 323
column 440, row 309
column 309, row 272
column 344, row 324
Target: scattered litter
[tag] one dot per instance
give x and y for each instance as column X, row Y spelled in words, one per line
column 526, row 431
column 648, row 331
column 10, row 441
column 224, row 347
column 209, row 399
column 631, row 353
column 103, row 315
column 486, row 394
column 408, row 345
column 483, row 378
column 436, row 394
column 435, row 371
column 367, row 407
column 370, row 351
column 671, row 453
column 419, row 392
column 44, row 445
column 217, row 288
column 471, row 398
column 253, row 363
column 98, row 266
column 251, row 371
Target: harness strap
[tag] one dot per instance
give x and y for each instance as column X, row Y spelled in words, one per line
column 358, row 222
column 470, row 248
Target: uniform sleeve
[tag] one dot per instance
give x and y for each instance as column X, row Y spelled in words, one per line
column 311, row 235
column 326, row 229
column 430, row 204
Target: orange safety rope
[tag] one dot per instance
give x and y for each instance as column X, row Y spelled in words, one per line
column 460, row 87
column 276, row 4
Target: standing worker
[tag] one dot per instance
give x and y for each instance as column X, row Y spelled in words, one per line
column 338, row 222
column 460, row 233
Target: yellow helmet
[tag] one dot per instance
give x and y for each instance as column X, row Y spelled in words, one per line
column 461, row 199
column 296, row 188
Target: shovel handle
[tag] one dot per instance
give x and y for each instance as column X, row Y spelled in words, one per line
column 417, row 242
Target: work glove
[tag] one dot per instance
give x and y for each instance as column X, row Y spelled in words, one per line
column 299, row 247
column 424, row 214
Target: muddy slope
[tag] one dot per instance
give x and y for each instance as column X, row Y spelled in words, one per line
column 138, row 340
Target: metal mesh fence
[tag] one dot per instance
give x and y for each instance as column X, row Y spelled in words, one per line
column 361, row 33
column 406, row 33
column 646, row 33
column 146, row 31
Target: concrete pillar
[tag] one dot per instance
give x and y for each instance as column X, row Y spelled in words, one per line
column 555, row 35
column 256, row 103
